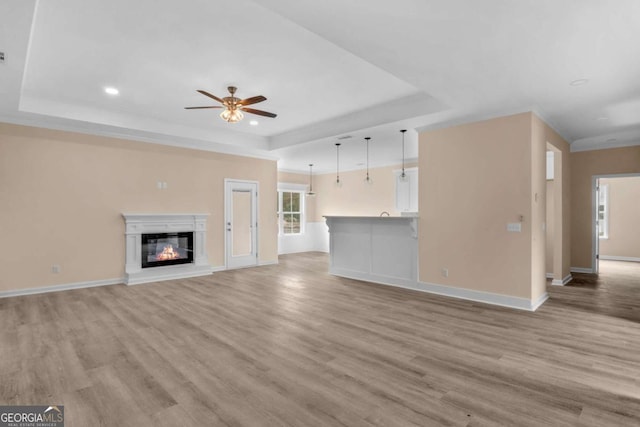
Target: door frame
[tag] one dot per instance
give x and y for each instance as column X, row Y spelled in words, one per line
column 228, row 215
column 595, row 241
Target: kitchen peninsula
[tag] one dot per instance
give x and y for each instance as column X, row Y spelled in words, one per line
column 376, row 249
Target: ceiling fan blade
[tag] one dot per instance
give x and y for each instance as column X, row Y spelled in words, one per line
column 252, row 100
column 205, row 93
column 258, row 112
column 197, row 108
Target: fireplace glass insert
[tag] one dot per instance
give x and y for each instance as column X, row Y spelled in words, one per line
column 167, row 249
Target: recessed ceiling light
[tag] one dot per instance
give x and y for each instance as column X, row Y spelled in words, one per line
column 612, row 140
column 111, row 90
column 602, row 119
column 579, row 82
column 253, row 123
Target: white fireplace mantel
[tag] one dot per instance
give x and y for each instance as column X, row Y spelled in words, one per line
column 137, row 224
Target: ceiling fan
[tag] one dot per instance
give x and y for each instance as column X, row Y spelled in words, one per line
column 233, row 107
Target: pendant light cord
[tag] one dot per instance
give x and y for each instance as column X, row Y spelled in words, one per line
column 337, row 163
column 367, row 139
column 403, row 131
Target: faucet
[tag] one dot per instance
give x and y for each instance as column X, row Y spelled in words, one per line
column 384, row 212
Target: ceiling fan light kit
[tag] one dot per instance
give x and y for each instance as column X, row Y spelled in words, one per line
column 234, row 107
column 232, row 116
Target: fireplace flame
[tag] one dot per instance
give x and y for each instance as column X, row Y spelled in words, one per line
column 167, row 253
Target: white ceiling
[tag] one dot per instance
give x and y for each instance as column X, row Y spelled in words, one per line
column 328, row 69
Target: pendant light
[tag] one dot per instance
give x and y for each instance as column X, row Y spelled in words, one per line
column 310, row 193
column 368, row 179
column 403, row 175
column 338, row 182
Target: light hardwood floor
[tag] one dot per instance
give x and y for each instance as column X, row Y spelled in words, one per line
column 290, row 345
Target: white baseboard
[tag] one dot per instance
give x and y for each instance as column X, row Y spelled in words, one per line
column 63, row 287
column 537, row 303
column 562, row 282
column 407, row 283
column 581, row 270
column 218, row 268
column 471, row 295
column 484, row 297
column 549, row 275
column 619, row 258
column 259, row 264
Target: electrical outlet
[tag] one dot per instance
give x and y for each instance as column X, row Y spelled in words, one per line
column 514, row 227
column 445, row 272
column 55, row 268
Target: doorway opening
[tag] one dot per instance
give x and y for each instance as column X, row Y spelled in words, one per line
column 555, row 224
column 616, row 235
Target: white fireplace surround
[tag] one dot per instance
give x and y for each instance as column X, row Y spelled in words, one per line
column 137, row 224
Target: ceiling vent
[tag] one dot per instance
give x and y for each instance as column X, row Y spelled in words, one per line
column 345, row 137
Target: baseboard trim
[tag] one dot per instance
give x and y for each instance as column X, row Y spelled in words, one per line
column 63, row 287
column 581, row 270
column 484, row 297
column 218, row 268
column 541, row 300
column 562, row 282
column 460, row 293
column 453, row 292
column 263, row 263
column 619, row 258
column 375, row 278
column 549, row 275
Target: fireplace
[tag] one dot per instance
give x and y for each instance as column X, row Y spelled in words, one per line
column 167, row 249
column 175, row 242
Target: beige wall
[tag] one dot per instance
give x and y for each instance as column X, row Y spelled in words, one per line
column 624, row 218
column 538, row 216
column 474, row 179
column 62, row 195
column 584, row 165
column 355, row 197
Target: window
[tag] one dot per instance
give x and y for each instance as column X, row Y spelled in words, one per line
column 291, row 212
column 603, row 212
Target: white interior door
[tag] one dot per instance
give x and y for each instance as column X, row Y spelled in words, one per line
column 241, row 223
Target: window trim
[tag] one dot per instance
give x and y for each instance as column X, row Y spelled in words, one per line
column 291, row 188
